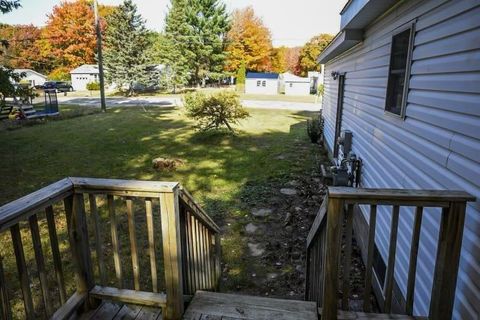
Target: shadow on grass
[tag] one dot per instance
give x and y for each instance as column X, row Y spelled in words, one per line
column 226, row 173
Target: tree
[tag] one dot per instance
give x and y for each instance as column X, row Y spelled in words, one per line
column 291, row 57
column 311, row 50
column 8, row 5
column 279, row 59
column 126, row 49
column 214, row 110
column 248, row 40
column 70, row 35
column 174, row 46
column 24, row 49
column 208, row 23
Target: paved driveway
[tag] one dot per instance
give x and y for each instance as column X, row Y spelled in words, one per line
column 175, row 101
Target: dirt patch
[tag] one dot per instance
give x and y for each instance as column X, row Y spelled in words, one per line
column 274, row 234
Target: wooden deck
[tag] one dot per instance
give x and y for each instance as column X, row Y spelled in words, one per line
column 109, row 310
column 223, row 306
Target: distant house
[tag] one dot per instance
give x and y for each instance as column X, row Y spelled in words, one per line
column 294, row 85
column 261, row 83
column 84, row 74
column 404, row 78
column 34, row 78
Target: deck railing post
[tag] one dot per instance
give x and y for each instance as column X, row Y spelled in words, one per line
column 332, row 255
column 77, row 226
column 447, row 262
column 172, row 254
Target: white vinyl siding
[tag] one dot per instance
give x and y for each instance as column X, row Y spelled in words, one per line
column 436, row 146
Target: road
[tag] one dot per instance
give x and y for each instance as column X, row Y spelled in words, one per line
column 175, row 101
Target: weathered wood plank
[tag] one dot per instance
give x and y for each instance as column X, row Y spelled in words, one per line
column 352, row 315
column 115, row 241
column 434, row 198
column 190, row 261
column 42, row 275
column 128, row 312
column 98, row 238
column 123, row 185
column 147, row 313
column 389, row 277
column 249, row 307
column 412, row 268
column 151, row 244
column 133, row 244
column 70, row 307
column 218, row 259
column 196, row 254
column 447, row 261
column 319, row 220
column 5, row 310
column 197, row 210
column 82, row 250
column 57, row 260
column 332, row 254
column 130, row 296
column 22, row 271
column 20, row 209
column 369, row 265
column 106, row 311
column 172, row 254
column 347, row 257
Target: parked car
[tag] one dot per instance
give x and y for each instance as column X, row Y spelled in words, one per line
column 60, row 86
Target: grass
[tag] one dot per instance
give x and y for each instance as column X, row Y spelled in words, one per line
column 217, row 169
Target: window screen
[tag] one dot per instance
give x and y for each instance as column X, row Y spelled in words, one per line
column 398, row 73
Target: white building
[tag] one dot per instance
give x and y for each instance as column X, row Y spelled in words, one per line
column 34, row 78
column 84, row 74
column 294, row 85
column 261, row 83
column 404, row 78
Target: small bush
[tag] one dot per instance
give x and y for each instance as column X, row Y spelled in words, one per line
column 315, row 128
column 320, row 89
column 93, row 86
column 212, row 111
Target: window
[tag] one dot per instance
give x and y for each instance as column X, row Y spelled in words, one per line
column 399, row 72
column 258, row 83
column 264, row 83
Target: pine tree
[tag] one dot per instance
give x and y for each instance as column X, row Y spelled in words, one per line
column 175, row 53
column 126, row 48
column 209, row 24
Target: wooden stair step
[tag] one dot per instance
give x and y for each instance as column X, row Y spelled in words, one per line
column 214, row 305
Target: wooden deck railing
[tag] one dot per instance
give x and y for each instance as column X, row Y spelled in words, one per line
column 324, row 244
column 189, row 241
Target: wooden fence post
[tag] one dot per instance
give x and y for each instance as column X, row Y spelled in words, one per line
column 332, row 255
column 448, row 257
column 172, row 254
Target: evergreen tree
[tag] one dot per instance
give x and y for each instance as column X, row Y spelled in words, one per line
column 209, row 24
column 126, row 48
column 174, row 46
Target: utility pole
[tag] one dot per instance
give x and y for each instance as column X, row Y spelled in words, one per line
column 100, row 56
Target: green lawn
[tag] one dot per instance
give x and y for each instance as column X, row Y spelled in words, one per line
column 225, row 173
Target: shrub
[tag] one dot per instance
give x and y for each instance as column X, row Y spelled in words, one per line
column 315, row 128
column 320, row 89
column 93, row 86
column 212, row 111
column 60, row 74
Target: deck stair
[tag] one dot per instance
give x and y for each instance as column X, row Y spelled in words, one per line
column 191, row 250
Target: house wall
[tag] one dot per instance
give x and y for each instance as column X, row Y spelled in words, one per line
column 297, row 88
column 80, row 80
column 271, row 86
column 34, row 79
column 436, row 146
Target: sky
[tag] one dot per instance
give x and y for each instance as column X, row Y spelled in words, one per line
column 292, row 22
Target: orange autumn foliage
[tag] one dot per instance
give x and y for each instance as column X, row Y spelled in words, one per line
column 248, row 40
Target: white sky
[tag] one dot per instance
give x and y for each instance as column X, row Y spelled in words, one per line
column 292, row 22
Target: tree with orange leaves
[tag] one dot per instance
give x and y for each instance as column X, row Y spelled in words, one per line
column 248, row 41
column 69, row 36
